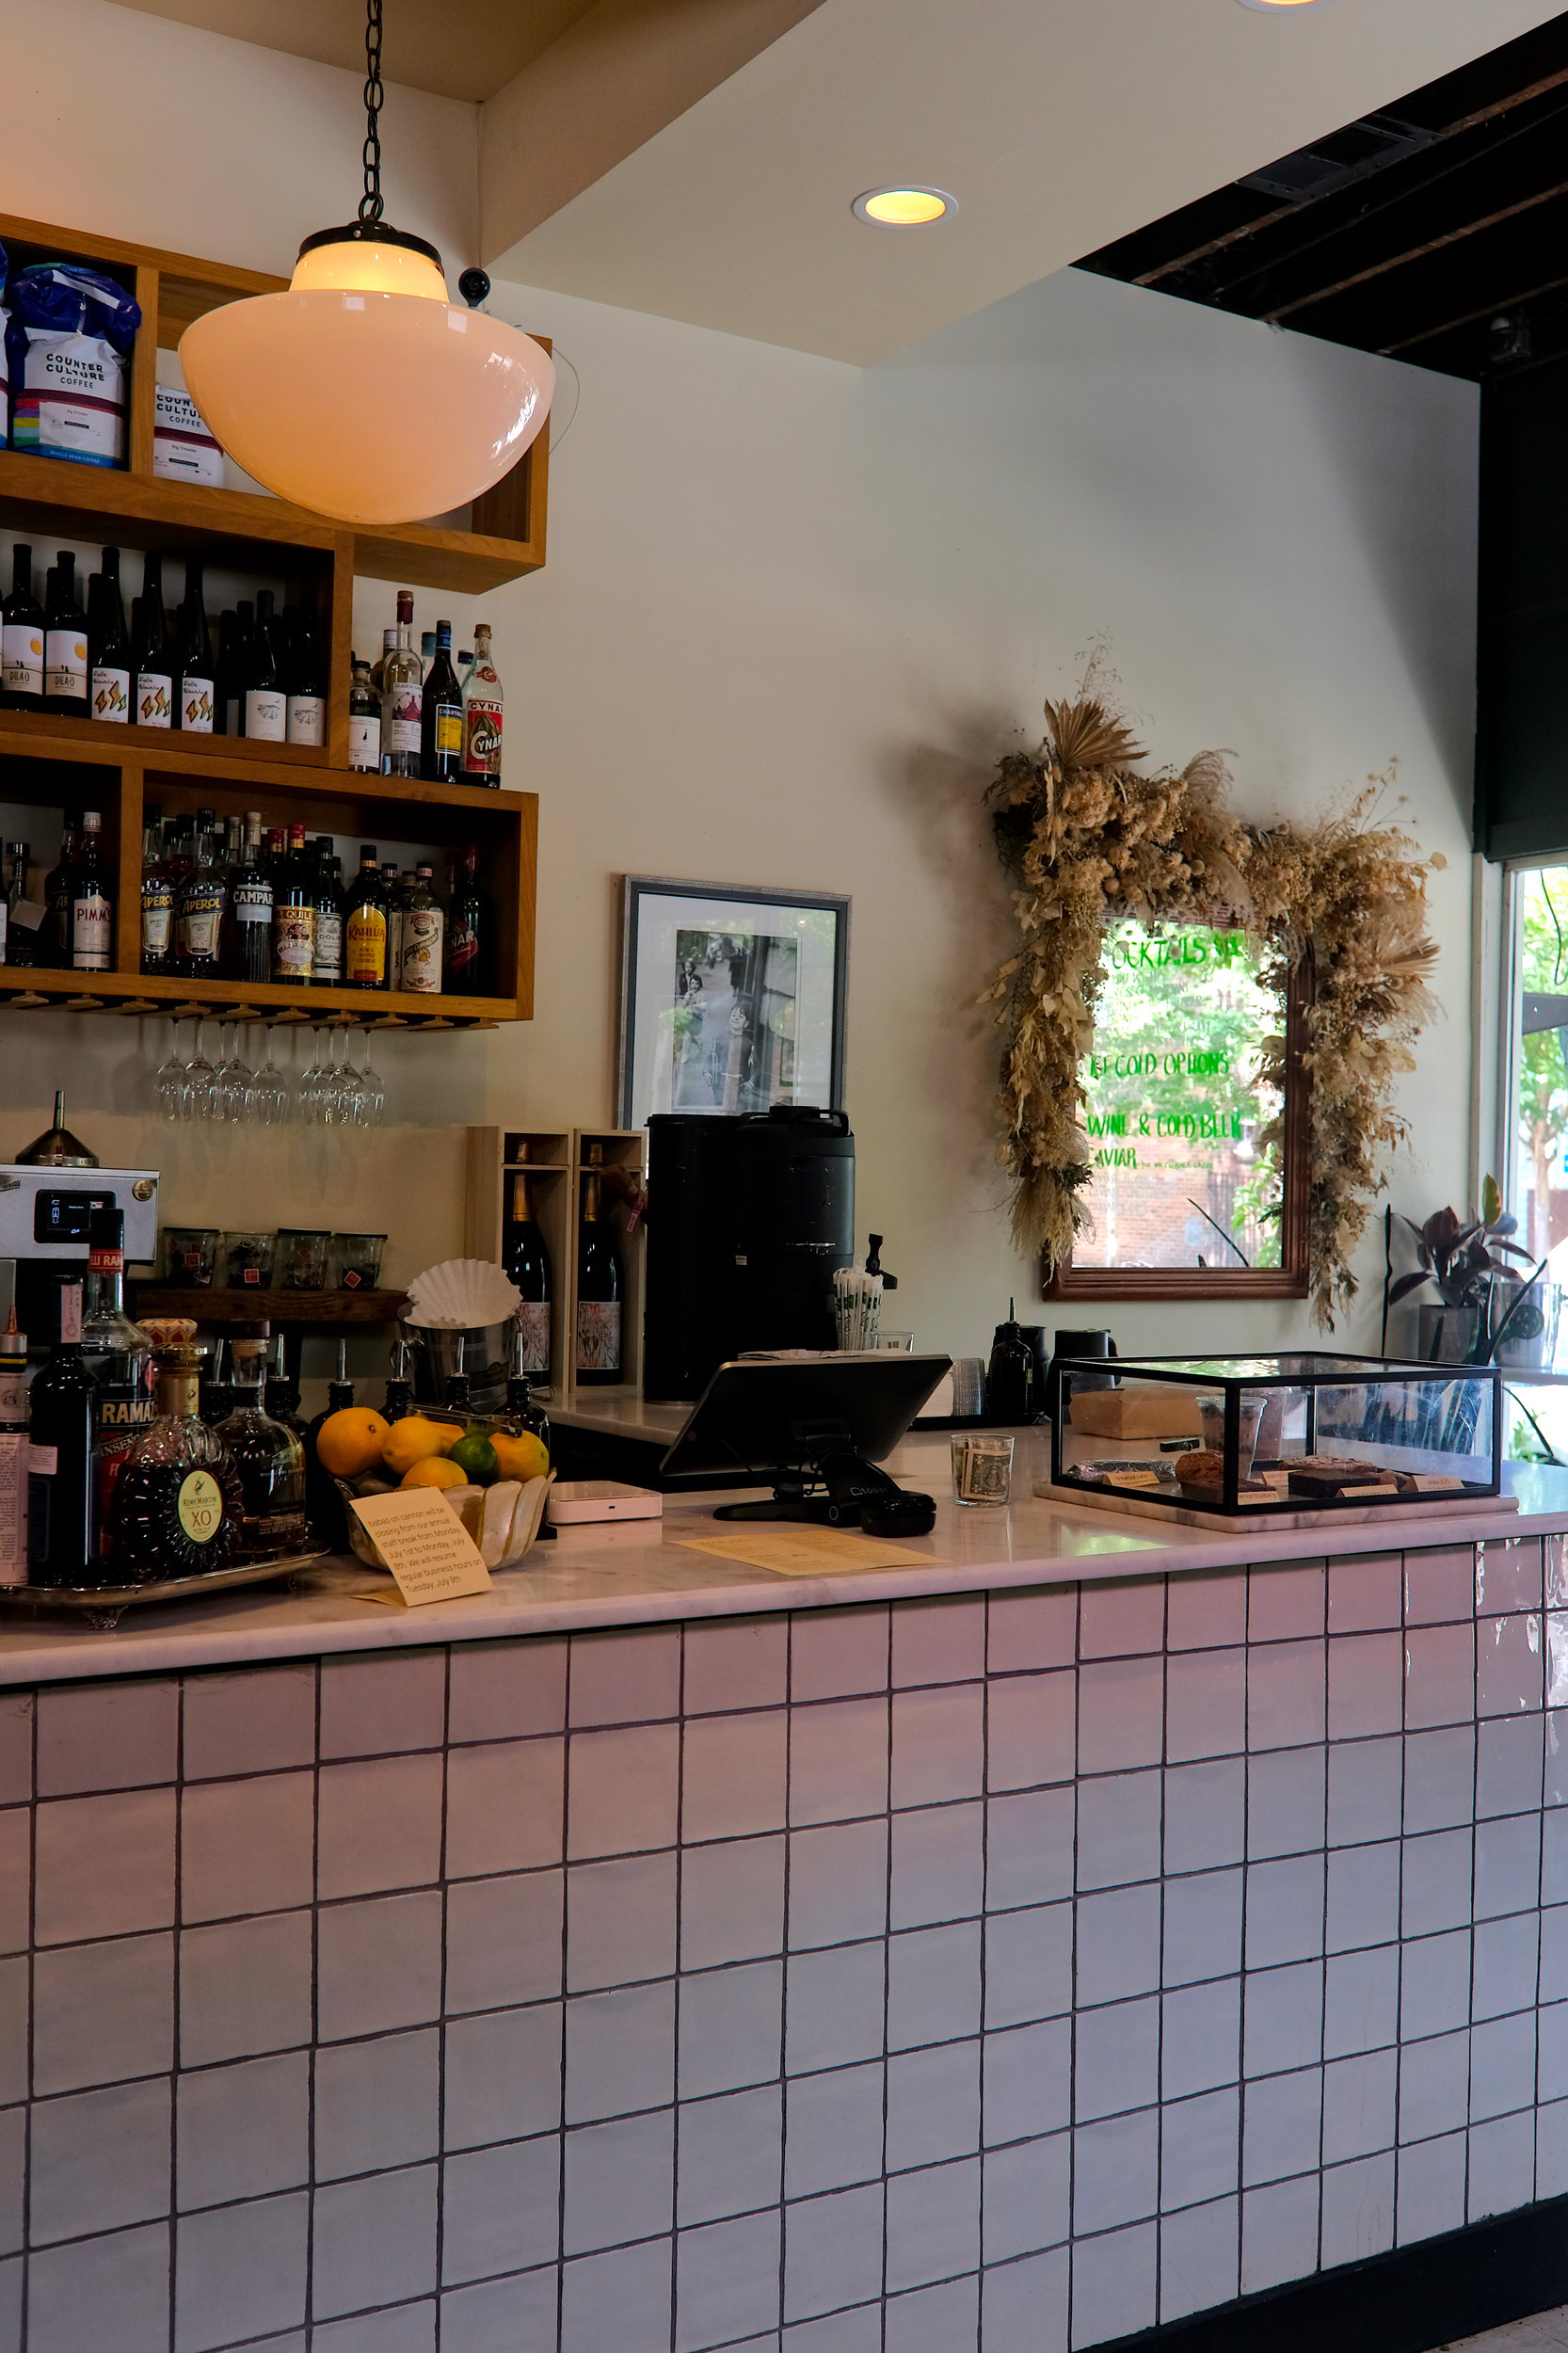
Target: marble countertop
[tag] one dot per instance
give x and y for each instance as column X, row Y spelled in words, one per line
column 642, row 1572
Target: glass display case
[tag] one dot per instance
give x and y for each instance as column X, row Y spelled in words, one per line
column 1238, row 1435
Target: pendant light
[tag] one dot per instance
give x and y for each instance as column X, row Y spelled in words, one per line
column 363, row 394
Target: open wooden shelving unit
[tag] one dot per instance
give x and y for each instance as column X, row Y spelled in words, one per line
column 59, row 762
column 557, row 1161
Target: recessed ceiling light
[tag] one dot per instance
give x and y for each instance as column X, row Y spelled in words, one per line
column 1272, row 8
column 905, row 208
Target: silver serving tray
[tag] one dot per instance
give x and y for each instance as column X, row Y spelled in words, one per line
column 109, row 1600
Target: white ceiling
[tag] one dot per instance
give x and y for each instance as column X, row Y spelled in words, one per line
column 456, row 48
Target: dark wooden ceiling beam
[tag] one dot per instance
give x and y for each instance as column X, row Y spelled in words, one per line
column 1494, row 270
column 1285, row 313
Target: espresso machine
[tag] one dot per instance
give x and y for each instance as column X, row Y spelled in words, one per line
column 47, row 1194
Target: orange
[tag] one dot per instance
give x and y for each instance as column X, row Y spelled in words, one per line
column 350, row 1442
column 518, row 1456
column 415, row 1439
column 435, row 1471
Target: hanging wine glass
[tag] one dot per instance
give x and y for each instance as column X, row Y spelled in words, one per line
column 170, row 1078
column 269, row 1097
column 199, row 1098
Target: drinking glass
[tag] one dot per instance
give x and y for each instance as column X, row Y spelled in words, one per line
column 198, row 1100
column 234, row 1080
column 982, row 1467
column 373, row 1091
column 170, row 1078
column 343, row 1084
column 307, row 1093
column 269, row 1092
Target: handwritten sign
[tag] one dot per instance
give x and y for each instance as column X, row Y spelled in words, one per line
column 430, row 1553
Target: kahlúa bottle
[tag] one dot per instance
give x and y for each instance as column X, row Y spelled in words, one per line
column 177, row 1508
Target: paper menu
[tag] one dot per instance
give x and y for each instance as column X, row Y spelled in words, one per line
column 430, row 1553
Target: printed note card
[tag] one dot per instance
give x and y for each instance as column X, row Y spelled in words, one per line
column 424, row 1542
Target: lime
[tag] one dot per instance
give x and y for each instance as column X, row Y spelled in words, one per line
column 474, row 1457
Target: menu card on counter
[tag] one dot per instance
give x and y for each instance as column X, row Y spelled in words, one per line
column 809, row 1551
column 430, row 1553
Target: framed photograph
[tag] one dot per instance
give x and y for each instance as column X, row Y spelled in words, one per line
column 730, row 1000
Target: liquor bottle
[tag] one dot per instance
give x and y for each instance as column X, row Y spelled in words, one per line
column 265, row 703
column 420, row 936
column 22, row 639
column 199, row 910
column 293, row 915
column 326, row 962
column 65, row 644
column 365, row 926
column 268, row 1456
column 365, row 721
column 399, row 1400
column 379, row 675
column 527, row 1263
column 520, row 1414
column 53, row 939
column 13, row 1454
column 282, row 1394
column 154, row 654
column 91, row 907
column 178, row 1507
column 402, row 695
column 468, row 931
column 442, row 715
column 62, row 1546
column 119, row 1356
column 600, row 1286
column 426, row 651
column 324, row 1504
column 22, row 913
column 482, row 714
column 196, row 707
column 392, row 891
column 109, row 647
column 249, row 953
column 306, row 684
column 233, row 658
column 158, row 896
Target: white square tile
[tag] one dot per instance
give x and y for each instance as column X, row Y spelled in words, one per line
column 13, row 2028
column 939, row 1864
column 938, row 1744
column 1281, row 2126
column 620, row 2053
column 1285, row 1910
column 727, row 2281
column 618, row 2181
column 1027, row 2197
column 1115, row 2284
column 1116, row 2059
column 1120, row 1708
column 504, row 1940
column 933, row 1985
column 1202, row 1927
column 1363, row 1896
column 620, row 2300
column 1554, row 1953
column 1121, row 1616
column 1552, row 2051
column 1358, row 2210
column 379, row 1964
column 1507, row 1965
column 241, row 2268
column 1436, row 1892
column 379, row 1825
column 1440, row 1675
column 99, row 2160
column 624, row 1678
column 506, row 1690
column 1508, row 1864
column 101, row 2012
column 1205, row 1705
column 1557, row 1658
column 1551, row 2149
column 1115, row 2171
column 1361, row 2001
column 623, row 1791
column 107, row 1735
column 16, row 1877
column 394, row 2329
column 242, row 2132
column 1364, row 1791
column 1026, row 2082
column 104, row 1867
column 1510, row 1753
column 1118, row 1944
column 838, row 1760
column 1439, row 1584
column 732, row 2154
column 1029, row 1847
column 934, row 2319
column 1283, row 1603
column 71, row 2289
column 1286, row 1798
column 620, row 1922
column 1358, row 2107
column 1199, row 2258
column 16, row 1748
column 733, row 1774
column 504, row 1806
column 1200, row 2148
column 933, row 2223
column 736, row 1662
column 1204, row 1815
column 1434, row 2085
column 1118, row 1829
column 1364, row 1685
column 1023, row 2306
column 837, row 1883
column 1502, row 2166
column 1431, row 2189
column 1201, row 2044
column 1029, row 1730
column 833, row 2248
column 1502, row 2066
column 836, row 2129
column 836, row 1652
column 1286, row 1693
column 1206, row 1609
column 497, row 2315
column 1283, row 2013
column 500, row 2209
column 856, row 2331
column 1440, row 1778
column 732, row 1901
column 1507, row 1575
column 254, row 1722
column 731, row 2027
column 1554, row 1561
column 1279, row 2234
column 938, row 1641
column 377, row 2103
column 1435, row 1972
column 836, row 2007
column 13, row 2185
column 1509, row 1664
column 383, row 1705
column 1028, row 1631
column 245, row 1988
column 1365, row 1592
column 933, row 2106
column 502, row 2080
column 247, row 1846
column 1554, row 1856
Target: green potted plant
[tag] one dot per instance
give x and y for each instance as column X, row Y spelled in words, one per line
column 1483, row 1302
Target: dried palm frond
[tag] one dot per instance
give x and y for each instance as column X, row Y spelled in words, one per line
column 1084, row 734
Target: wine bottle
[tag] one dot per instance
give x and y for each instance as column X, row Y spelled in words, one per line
column 233, row 656
column 402, row 696
column 22, row 913
column 293, row 915
column 392, row 889
column 307, row 705
column 109, row 647
column 61, row 1519
column 154, row 653
column 365, row 721
column 442, row 715
column 65, row 644
column 54, row 944
column 91, row 907
column 22, row 639
column 468, row 931
column 426, row 651
column 365, row 926
column 600, row 1287
column 200, row 909
column 482, row 714
column 265, row 703
column 158, row 896
column 326, row 962
column 249, row 956
column 420, row 935
column 527, row 1262
column 197, row 705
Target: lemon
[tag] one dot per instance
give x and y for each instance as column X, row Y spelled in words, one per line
column 520, row 1456
column 434, row 1470
column 475, row 1456
column 349, row 1443
column 415, row 1439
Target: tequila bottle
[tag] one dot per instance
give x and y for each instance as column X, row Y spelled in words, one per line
column 178, row 1509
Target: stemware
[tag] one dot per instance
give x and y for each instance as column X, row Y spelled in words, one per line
column 232, row 1080
column 373, row 1091
column 200, row 1100
column 306, row 1091
column 170, row 1078
column 269, row 1089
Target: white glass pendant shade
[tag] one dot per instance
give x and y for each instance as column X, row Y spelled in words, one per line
column 362, row 393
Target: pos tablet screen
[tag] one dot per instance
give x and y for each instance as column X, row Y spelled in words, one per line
column 771, row 1416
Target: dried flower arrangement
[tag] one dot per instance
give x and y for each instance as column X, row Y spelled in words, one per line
column 1088, row 840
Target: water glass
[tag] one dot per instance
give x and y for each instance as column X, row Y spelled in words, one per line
column 982, row 1467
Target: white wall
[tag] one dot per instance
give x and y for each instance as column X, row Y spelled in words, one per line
column 793, row 612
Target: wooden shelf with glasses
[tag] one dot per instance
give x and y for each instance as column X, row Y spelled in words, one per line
column 271, row 1306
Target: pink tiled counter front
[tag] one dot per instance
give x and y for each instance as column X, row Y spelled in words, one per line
column 1016, row 1970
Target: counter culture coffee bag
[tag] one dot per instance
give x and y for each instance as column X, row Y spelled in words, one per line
column 68, row 344
column 5, row 381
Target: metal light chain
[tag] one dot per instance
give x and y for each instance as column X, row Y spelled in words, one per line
column 370, row 203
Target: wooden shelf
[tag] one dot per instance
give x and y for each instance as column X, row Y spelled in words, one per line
column 273, row 1306
column 270, row 1002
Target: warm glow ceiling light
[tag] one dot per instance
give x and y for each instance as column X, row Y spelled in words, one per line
column 1274, row 8
column 363, row 392
column 903, row 208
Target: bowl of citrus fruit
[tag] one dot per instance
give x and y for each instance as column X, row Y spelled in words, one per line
column 495, row 1479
